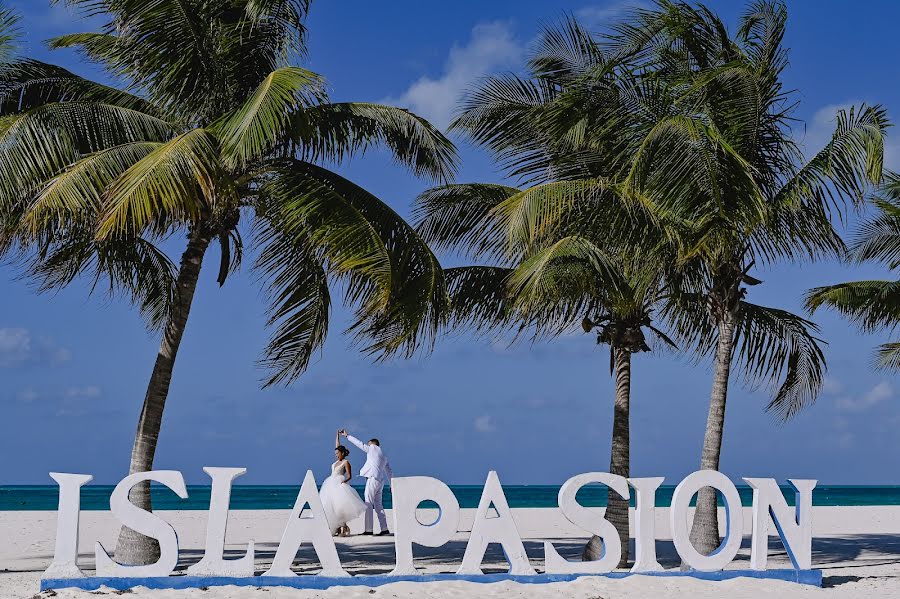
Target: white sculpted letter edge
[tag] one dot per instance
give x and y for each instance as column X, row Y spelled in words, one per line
column 678, row 515
column 794, row 526
column 146, row 523
column 312, row 527
column 64, row 557
column 213, row 562
column 589, row 521
column 493, row 523
column 501, row 529
column 407, row 493
column 645, row 523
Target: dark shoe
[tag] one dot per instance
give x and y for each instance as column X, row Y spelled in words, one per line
column 384, row 533
column 368, row 533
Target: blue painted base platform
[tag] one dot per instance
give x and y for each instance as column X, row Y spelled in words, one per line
column 809, row 577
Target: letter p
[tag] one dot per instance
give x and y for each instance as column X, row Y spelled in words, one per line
column 407, row 493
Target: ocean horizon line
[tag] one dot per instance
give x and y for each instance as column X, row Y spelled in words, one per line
column 264, row 497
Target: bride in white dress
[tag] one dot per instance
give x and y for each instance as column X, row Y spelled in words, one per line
column 341, row 501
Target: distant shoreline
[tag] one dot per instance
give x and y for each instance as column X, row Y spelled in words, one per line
column 273, row 497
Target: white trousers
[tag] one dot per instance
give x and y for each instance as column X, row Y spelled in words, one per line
column 374, row 488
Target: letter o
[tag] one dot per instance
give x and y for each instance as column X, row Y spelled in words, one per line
column 678, row 517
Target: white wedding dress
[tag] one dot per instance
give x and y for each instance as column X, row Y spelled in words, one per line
column 341, row 501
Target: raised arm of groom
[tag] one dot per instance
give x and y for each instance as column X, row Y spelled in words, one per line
column 358, row 443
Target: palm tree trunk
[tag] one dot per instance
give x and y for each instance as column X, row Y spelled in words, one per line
column 619, row 462
column 705, row 530
column 134, row 548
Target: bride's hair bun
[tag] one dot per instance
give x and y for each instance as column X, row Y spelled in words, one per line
column 342, row 450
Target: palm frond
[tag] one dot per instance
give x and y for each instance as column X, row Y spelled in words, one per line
column 393, row 278
column 461, row 217
column 251, row 132
column 499, row 114
column 887, row 356
column 297, row 288
column 878, row 237
column 26, row 83
column 337, row 131
column 565, row 53
column 132, row 267
column 37, row 145
column 480, row 299
column 75, row 194
column 537, row 213
column 10, row 33
column 871, row 305
column 781, row 350
column 302, row 200
column 168, row 47
column 544, row 277
column 174, row 184
column 848, row 165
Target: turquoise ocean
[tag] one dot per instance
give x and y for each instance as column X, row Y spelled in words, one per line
column 247, row 497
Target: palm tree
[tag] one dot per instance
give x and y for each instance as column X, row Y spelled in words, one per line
column 546, row 287
column 724, row 169
column 215, row 126
column 689, row 129
column 872, row 305
column 570, row 247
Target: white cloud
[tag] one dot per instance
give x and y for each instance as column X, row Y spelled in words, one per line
column 28, row 395
column 845, row 440
column 491, row 47
column 15, row 346
column 601, row 15
column 832, row 386
column 18, row 347
column 79, row 401
column 88, row 392
column 873, row 397
column 484, row 424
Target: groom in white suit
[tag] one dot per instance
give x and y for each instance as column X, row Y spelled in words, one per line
column 377, row 471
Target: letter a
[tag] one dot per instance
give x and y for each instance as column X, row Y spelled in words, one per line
column 501, row 529
column 311, row 528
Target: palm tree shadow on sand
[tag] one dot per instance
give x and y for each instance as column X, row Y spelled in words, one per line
column 837, row 557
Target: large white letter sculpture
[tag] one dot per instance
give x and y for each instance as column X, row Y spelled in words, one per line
column 589, row 521
column 312, row 527
column 794, row 528
column 645, row 523
column 407, row 493
column 681, row 500
column 213, row 562
column 144, row 522
column 66, row 554
column 308, row 524
column 501, row 529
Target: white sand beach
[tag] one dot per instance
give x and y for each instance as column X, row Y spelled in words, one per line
column 858, row 548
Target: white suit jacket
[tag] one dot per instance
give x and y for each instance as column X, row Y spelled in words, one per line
column 377, row 465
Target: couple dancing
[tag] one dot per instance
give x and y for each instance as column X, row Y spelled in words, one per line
column 341, row 501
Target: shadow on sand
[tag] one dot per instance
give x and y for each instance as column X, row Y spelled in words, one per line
column 376, row 556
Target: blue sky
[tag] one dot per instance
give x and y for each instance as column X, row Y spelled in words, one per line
column 74, row 367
